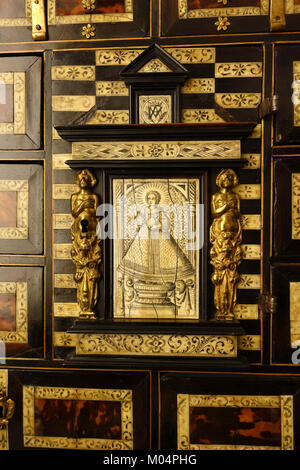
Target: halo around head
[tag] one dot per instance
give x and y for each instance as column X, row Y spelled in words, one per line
column 156, row 194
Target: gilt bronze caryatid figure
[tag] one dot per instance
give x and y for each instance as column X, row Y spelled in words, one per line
column 7, row 408
column 86, row 252
column 226, row 238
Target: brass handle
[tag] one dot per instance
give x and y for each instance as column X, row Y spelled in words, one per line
column 277, row 15
column 38, row 20
column 7, row 408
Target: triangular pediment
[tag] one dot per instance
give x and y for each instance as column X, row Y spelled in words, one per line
column 154, row 65
column 154, row 60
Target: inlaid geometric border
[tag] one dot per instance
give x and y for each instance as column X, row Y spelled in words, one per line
column 185, row 402
column 296, row 91
column 30, row 393
column 296, row 206
column 185, row 13
column 20, row 335
column 157, row 345
column 294, row 293
column 156, row 150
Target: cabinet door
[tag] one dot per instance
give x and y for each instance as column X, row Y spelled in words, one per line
column 79, row 410
column 20, row 102
column 88, row 19
column 287, row 86
column 229, row 412
column 21, row 312
column 190, row 17
column 21, row 209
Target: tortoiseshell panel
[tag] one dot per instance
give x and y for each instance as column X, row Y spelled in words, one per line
column 87, row 419
column 100, row 6
column 235, row 426
column 8, row 209
column 7, row 312
column 199, row 4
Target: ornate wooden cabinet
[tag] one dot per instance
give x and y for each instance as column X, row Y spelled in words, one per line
column 149, row 225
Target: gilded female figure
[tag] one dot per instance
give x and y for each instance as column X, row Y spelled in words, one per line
column 226, row 238
column 85, row 251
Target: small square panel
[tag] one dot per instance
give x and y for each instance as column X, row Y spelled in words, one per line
column 21, row 310
column 13, row 312
column 20, row 102
column 21, row 209
column 155, row 109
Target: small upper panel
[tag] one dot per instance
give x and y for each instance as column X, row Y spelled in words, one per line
column 194, row 17
column 20, row 102
column 78, row 19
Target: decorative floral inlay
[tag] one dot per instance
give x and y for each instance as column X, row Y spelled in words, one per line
column 156, row 150
column 222, row 23
column 247, row 342
column 89, row 4
column 88, row 31
column 65, row 339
